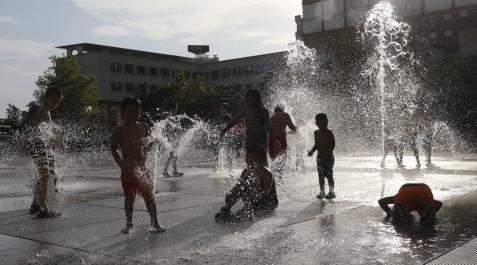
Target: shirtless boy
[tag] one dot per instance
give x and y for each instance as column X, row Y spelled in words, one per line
column 131, row 138
column 325, row 144
column 278, row 152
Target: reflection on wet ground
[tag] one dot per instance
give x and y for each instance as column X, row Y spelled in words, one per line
column 349, row 230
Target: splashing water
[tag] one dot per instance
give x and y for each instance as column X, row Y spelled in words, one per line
column 390, row 38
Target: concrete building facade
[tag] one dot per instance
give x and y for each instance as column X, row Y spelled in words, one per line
column 451, row 25
column 119, row 71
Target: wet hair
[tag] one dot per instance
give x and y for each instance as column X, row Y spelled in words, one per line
column 256, row 94
column 321, row 117
column 131, row 101
column 52, row 91
column 279, row 108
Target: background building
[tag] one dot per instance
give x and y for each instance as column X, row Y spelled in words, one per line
column 450, row 24
column 120, row 71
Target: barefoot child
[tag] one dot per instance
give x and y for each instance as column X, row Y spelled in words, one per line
column 256, row 186
column 41, row 141
column 412, row 197
column 131, row 137
column 279, row 122
column 325, row 144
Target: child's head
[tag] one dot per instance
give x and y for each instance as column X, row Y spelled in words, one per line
column 279, row 108
column 223, row 107
column 321, row 120
column 52, row 98
column 253, row 98
column 131, row 109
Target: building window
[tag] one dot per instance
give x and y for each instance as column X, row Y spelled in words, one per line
column 81, row 67
column 447, row 16
column 116, row 86
column 226, row 73
column 432, row 35
column 129, row 87
column 249, row 70
column 129, row 69
column 248, row 86
column 154, row 88
column 463, row 13
column 116, row 67
column 141, row 70
column 215, row 74
column 237, row 72
column 165, row 72
column 205, row 75
column 448, row 33
column 153, row 71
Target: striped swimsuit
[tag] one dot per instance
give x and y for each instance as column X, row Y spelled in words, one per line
column 256, row 133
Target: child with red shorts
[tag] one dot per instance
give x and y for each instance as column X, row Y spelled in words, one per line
column 132, row 138
column 412, row 197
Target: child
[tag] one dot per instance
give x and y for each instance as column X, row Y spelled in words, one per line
column 131, row 137
column 325, row 144
column 222, row 119
column 279, row 122
column 390, row 144
column 412, row 197
column 256, row 186
column 41, row 141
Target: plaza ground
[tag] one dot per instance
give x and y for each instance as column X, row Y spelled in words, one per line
column 349, row 230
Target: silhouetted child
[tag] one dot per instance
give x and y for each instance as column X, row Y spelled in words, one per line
column 256, row 186
column 409, row 136
column 278, row 152
column 412, row 197
column 222, row 119
column 132, row 139
column 325, row 144
column 41, row 141
column 390, row 144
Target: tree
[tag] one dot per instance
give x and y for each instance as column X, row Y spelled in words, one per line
column 81, row 95
column 14, row 115
column 192, row 97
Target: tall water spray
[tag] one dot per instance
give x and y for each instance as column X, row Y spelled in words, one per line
column 390, row 38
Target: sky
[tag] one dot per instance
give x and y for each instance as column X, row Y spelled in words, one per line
column 31, row 29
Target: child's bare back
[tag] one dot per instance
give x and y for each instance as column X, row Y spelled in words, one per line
column 324, row 142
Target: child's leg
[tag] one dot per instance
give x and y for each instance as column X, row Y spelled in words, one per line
column 41, row 186
column 414, row 149
column 149, row 200
column 396, row 155
column 385, row 153
column 129, row 210
column 168, row 162
column 331, row 183
column 321, row 178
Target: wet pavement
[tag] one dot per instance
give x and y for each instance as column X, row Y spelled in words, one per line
column 349, row 230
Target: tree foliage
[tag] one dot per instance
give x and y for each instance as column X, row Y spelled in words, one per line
column 81, row 95
column 183, row 95
column 14, row 115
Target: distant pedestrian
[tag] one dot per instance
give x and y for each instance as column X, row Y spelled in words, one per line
column 132, row 139
column 325, row 144
column 41, row 141
column 409, row 136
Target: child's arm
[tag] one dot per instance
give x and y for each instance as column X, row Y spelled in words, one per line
column 384, row 204
column 266, row 120
column 234, row 121
column 290, row 123
column 310, row 153
column 115, row 148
